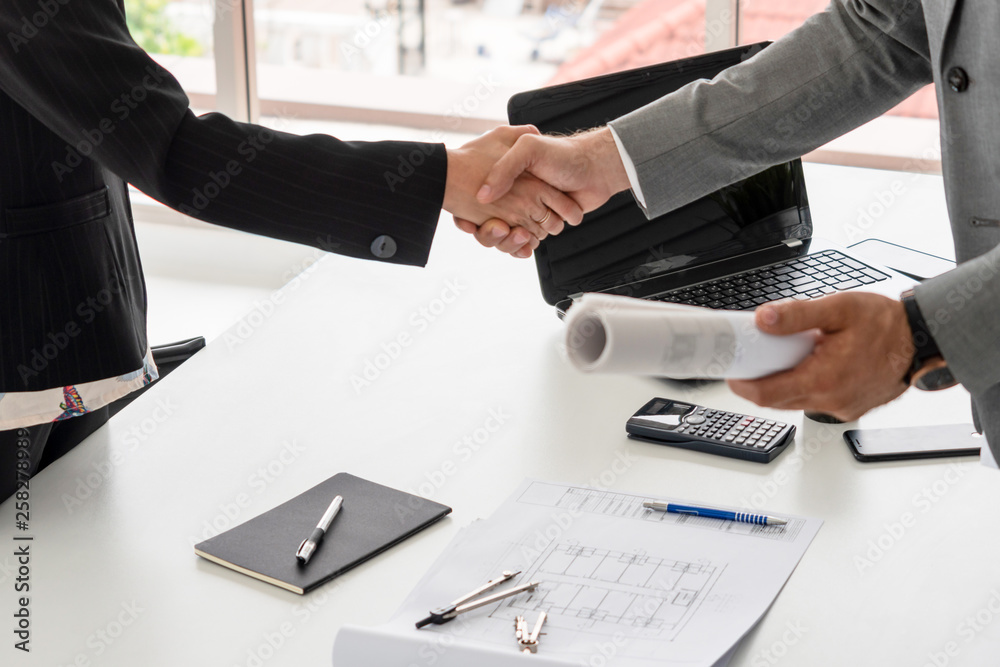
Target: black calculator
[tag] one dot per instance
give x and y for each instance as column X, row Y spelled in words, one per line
column 690, row 426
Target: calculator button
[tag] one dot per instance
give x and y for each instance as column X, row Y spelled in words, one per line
column 695, row 419
column 770, row 422
column 730, row 438
column 740, row 441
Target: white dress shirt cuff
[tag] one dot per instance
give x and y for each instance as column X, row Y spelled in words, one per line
column 633, row 178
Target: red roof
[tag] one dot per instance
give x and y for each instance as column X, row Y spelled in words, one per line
column 660, row 30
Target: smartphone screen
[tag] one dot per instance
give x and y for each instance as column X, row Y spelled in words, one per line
column 914, row 442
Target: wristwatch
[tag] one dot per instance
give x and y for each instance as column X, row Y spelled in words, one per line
column 928, row 371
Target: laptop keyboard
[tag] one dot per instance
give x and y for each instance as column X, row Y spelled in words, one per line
column 801, row 278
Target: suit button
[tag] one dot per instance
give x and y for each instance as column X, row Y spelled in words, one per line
column 958, row 79
column 984, row 222
column 384, row 247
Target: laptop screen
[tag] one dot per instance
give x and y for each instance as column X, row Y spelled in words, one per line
column 616, row 245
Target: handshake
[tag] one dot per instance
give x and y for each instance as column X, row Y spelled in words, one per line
column 512, row 187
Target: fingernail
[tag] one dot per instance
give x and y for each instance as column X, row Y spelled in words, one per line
column 497, row 233
column 483, row 193
column 768, row 315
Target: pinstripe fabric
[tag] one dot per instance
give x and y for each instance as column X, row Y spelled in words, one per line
column 83, row 110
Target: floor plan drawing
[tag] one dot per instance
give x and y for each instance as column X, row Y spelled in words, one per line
column 601, row 590
column 619, row 585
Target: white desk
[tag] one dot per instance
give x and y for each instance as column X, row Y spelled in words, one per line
column 243, row 427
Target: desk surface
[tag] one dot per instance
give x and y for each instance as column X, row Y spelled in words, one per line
column 449, row 382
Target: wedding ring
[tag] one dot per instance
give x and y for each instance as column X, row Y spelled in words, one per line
column 548, row 212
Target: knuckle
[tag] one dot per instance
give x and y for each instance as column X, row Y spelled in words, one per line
column 754, row 393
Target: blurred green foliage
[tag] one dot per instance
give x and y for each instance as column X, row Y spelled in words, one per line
column 151, row 29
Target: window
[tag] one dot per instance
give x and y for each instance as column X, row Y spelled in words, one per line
column 178, row 35
column 433, row 64
column 905, row 138
column 449, row 66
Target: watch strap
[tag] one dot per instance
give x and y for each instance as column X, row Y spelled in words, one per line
column 925, row 347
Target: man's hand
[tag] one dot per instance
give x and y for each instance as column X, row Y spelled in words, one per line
column 586, row 166
column 863, row 352
column 528, row 202
column 495, row 233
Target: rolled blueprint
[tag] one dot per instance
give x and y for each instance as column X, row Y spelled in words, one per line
column 618, row 334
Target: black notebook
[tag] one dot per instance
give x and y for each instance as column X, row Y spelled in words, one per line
column 372, row 519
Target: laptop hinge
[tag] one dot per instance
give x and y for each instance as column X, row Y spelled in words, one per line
column 792, row 243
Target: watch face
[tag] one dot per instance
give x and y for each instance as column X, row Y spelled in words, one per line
column 935, row 379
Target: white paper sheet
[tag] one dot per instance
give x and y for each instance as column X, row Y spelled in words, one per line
column 617, row 334
column 621, row 585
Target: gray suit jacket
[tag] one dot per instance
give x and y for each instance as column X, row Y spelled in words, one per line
column 842, row 68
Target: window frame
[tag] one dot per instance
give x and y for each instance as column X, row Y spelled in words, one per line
column 237, row 95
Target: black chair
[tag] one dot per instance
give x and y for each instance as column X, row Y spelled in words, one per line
column 66, row 435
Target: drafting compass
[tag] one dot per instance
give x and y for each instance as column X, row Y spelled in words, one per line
column 528, row 641
column 468, row 602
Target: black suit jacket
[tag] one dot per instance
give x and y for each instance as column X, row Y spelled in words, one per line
column 83, row 110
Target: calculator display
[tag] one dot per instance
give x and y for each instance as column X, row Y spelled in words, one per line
column 665, row 413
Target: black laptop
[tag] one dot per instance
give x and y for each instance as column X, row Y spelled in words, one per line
column 739, row 247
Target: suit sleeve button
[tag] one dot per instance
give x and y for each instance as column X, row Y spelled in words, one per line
column 958, row 79
column 384, row 247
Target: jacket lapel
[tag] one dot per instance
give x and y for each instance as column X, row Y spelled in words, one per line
column 937, row 16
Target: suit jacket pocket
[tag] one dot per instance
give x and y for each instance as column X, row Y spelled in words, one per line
column 53, row 217
column 72, row 309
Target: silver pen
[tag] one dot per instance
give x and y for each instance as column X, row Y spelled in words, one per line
column 311, row 543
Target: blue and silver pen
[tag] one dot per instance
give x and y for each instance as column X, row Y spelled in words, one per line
column 742, row 517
